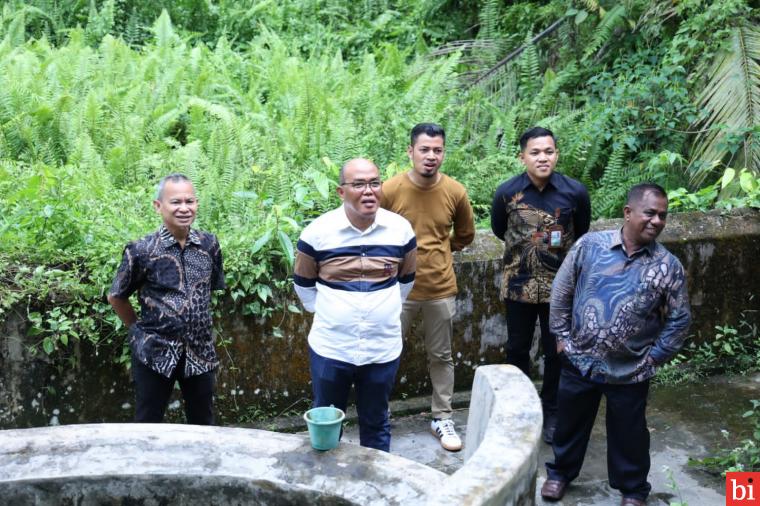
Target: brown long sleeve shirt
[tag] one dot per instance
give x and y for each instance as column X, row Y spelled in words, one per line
column 443, row 222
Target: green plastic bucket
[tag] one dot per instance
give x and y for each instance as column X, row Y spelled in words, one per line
column 324, row 426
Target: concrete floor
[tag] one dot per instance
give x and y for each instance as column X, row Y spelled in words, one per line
column 685, row 421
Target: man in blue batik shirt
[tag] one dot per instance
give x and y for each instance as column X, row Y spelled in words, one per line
column 619, row 309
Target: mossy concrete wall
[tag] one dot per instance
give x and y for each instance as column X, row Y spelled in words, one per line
column 265, row 370
column 194, row 465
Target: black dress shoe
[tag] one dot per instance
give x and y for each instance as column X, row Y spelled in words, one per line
column 553, row 490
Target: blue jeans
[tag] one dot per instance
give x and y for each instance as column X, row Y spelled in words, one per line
column 331, row 382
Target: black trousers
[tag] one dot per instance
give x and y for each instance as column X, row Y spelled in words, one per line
column 627, row 434
column 154, row 390
column 521, row 324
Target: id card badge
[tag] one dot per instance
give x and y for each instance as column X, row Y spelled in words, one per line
column 556, row 231
column 555, row 236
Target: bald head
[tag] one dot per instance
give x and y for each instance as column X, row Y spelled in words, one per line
column 360, row 190
column 353, row 165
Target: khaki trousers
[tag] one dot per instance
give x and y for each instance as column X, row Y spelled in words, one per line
column 437, row 318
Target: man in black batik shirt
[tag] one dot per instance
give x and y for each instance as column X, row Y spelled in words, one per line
column 538, row 214
column 173, row 271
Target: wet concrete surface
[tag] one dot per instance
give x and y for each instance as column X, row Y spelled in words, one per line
column 685, row 421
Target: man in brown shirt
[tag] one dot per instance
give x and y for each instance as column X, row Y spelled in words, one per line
column 434, row 204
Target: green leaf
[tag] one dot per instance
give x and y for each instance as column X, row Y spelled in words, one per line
column 163, row 30
column 263, row 291
column 728, row 176
column 746, row 181
column 246, row 195
column 48, row 345
column 261, row 241
column 294, row 309
column 286, row 246
column 580, row 17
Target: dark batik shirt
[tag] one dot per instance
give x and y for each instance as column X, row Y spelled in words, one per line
column 523, row 217
column 174, row 291
column 612, row 311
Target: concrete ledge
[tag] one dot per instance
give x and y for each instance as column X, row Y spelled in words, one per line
column 189, row 465
column 502, row 444
column 79, row 464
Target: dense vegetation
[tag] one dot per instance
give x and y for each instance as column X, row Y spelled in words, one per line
column 260, row 101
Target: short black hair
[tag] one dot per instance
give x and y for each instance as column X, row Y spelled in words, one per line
column 637, row 192
column 533, row 133
column 174, row 178
column 429, row 129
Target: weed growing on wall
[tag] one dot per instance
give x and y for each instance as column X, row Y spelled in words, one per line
column 733, row 350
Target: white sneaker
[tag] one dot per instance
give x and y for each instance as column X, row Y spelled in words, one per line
column 444, row 430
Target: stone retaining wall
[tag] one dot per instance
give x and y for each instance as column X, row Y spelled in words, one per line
column 262, row 373
column 194, row 465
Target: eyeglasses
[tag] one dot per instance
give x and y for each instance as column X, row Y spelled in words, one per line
column 375, row 184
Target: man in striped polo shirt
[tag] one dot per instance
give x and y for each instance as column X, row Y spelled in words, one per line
column 354, row 267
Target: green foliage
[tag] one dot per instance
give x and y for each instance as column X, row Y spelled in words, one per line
column 259, row 102
column 309, row 25
column 734, row 350
column 85, row 133
column 619, row 82
column 742, row 458
column 728, row 192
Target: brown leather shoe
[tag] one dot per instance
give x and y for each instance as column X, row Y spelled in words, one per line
column 630, row 501
column 553, row 490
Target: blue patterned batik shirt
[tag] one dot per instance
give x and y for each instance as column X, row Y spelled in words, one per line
column 619, row 316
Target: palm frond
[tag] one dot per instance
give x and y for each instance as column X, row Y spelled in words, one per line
column 605, row 30
column 731, row 99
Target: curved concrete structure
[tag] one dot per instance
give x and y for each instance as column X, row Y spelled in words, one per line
column 185, row 464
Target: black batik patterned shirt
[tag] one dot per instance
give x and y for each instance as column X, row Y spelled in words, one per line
column 523, row 217
column 173, row 288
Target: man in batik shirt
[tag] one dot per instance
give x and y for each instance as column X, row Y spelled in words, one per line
column 619, row 309
column 538, row 214
column 173, row 271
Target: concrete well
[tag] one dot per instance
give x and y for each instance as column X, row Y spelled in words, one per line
column 184, row 464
